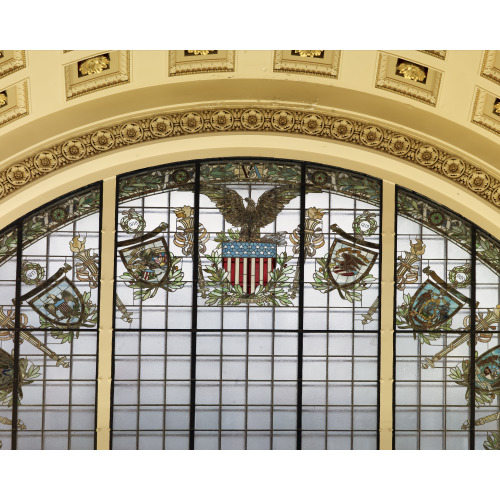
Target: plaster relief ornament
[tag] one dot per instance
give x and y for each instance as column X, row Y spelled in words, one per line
column 246, row 267
column 150, row 264
column 308, row 53
column 200, row 52
column 3, row 99
column 411, row 72
column 94, row 65
column 347, row 265
column 496, row 108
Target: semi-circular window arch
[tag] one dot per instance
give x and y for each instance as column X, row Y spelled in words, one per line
column 263, row 330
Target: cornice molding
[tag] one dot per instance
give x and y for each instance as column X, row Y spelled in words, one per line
column 325, row 126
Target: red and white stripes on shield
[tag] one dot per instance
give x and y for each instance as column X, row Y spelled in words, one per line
column 249, row 272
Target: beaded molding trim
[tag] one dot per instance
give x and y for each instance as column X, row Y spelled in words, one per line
column 321, row 125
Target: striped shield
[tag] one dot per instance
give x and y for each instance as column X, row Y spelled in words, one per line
column 249, row 264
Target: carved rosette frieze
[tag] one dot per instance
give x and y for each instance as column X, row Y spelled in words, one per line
column 491, row 65
column 115, row 72
column 12, row 60
column 323, row 126
column 387, row 79
column 16, row 105
column 484, row 113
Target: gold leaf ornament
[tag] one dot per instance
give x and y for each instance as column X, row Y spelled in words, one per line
column 94, row 65
column 497, row 107
column 199, row 52
column 3, row 99
column 309, row 53
column 411, row 72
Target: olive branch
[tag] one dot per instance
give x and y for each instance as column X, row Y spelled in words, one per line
column 323, row 283
column 145, row 290
column 221, row 292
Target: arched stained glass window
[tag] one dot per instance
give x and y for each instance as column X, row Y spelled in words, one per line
column 447, row 316
column 248, row 312
column 275, row 347
column 49, row 265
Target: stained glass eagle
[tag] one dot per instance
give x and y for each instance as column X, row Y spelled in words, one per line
column 254, row 216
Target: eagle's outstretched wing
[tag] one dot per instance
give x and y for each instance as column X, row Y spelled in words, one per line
column 272, row 202
column 228, row 201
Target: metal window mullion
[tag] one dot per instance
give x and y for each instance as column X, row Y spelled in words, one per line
column 194, row 306
column 387, row 306
column 300, row 333
column 17, row 327
column 106, row 313
column 472, row 353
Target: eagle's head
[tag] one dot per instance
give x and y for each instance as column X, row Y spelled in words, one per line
column 250, row 203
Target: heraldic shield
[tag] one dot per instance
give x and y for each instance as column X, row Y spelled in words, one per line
column 348, row 263
column 431, row 306
column 249, row 264
column 148, row 262
column 488, row 369
column 60, row 302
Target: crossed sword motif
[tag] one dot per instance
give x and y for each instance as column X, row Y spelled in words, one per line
column 7, row 321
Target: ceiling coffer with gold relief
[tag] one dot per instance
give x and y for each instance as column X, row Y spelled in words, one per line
column 310, row 62
column 96, row 72
column 186, row 62
column 408, row 78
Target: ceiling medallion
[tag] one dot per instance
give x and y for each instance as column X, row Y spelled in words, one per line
column 497, row 107
column 3, row 99
column 94, row 65
column 411, row 71
column 308, row 53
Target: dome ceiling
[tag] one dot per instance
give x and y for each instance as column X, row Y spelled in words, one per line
column 449, row 100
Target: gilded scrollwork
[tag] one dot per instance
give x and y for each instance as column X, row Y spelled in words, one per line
column 323, row 126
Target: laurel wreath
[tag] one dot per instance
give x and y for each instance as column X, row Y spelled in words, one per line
column 145, row 290
column 89, row 317
column 221, row 292
column 323, row 283
column 460, row 374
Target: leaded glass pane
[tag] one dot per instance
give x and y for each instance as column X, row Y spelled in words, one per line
column 280, row 348
column 448, row 293
column 54, row 317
